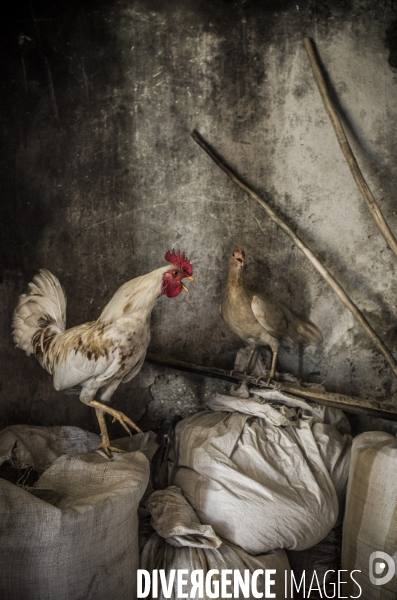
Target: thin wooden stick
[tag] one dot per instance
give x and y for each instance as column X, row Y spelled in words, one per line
column 305, row 249
column 352, row 404
column 346, row 149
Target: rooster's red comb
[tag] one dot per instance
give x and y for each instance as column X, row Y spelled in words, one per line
column 179, row 260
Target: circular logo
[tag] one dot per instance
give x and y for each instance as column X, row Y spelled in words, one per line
column 381, row 568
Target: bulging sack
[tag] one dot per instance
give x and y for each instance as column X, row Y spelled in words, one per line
column 75, row 534
column 370, row 524
column 181, row 542
column 260, row 485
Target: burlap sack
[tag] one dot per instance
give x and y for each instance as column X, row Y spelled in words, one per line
column 74, row 535
column 260, row 485
column 38, row 447
column 182, row 542
column 370, row 523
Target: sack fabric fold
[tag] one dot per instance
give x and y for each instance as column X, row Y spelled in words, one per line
column 182, row 542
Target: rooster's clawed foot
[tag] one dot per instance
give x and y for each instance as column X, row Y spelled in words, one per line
column 100, row 409
column 108, row 449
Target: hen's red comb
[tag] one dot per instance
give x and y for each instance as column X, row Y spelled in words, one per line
column 180, row 261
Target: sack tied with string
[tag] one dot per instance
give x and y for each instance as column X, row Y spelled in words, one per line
column 262, row 477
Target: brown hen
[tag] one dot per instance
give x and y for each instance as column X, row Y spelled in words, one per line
column 259, row 320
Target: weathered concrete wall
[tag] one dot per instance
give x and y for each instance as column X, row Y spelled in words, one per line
column 100, row 178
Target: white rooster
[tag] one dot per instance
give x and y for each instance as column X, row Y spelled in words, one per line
column 94, row 358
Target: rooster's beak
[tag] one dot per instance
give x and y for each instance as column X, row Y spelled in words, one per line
column 190, row 277
column 184, row 287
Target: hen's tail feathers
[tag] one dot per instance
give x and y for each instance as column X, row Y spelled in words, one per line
column 40, row 314
column 304, row 331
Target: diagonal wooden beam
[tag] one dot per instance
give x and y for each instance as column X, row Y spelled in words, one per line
column 358, row 177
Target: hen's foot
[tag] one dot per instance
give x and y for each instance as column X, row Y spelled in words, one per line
column 233, row 372
column 117, row 416
column 266, row 380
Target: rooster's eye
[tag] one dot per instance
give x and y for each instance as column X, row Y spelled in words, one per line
column 175, row 273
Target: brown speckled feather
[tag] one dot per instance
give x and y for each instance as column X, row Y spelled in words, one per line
column 95, row 354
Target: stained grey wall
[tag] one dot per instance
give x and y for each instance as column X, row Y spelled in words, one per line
column 100, row 178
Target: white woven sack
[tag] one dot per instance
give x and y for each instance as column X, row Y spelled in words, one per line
column 370, row 523
column 182, row 542
column 259, row 485
column 74, row 535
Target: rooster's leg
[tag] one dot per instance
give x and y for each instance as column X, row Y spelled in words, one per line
column 100, row 409
column 116, row 414
column 105, row 444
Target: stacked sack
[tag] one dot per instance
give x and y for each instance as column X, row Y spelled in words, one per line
column 75, row 533
column 181, row 542
column 370, row 523
column 265, row 472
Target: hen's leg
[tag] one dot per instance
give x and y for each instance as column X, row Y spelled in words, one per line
column 247, row 366
column 272, row 368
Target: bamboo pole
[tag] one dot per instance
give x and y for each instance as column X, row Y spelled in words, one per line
column 352, row 404
column 346, row 149
column 305, row 249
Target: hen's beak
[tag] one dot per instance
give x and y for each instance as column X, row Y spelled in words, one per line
column 191, row 278
column 184, row 287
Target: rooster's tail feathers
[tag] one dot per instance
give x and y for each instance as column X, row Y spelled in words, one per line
column 42, row 309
